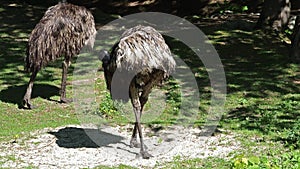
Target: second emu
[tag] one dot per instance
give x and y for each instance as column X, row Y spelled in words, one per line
column 63, row 31
column 138, row 61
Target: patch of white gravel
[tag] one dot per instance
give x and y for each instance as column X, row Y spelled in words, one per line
column 86, row 146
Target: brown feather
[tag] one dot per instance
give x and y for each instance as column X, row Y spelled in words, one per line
column 63, row 31
column 141, row 54
column 141, row 50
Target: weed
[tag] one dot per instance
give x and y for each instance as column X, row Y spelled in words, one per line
column 289, row 160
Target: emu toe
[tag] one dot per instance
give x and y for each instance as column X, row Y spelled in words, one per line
column 146, row 155
column 27, row 104
column 134, row 143
column 66, row 100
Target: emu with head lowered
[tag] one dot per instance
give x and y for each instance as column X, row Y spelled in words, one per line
column 138, row 61
column 63, row 31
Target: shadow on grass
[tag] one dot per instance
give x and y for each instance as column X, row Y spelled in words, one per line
column 261, row 88
column 18, row 19
column 14, row 94
column 73, row 137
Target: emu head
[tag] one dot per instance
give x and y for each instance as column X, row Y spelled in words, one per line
column 105, row 57
column 120, row 92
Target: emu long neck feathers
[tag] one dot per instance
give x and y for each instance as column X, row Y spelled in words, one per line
column 143, row 49
column 63, row 31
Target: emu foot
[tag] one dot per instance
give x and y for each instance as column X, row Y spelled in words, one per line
column 145, row 154
column 134, row 143
column 65, row 100
column 26, row 104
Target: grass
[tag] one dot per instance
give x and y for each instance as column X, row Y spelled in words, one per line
column 16, row 122
column 262, row 105
column 262, row 100
column 183, row 162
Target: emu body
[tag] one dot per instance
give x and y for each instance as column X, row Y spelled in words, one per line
column 62, row 32
column 141, row 53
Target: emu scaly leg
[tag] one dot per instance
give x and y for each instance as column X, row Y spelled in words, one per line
column 65, row 67
column 27, row 96
column 135, row 104
column 137, row 108
column 133, row 141
column 143, row 100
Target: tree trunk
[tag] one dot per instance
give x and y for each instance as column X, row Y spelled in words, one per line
column 275, row 13
column 295, row 51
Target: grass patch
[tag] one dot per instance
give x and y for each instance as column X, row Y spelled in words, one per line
column 262, row 106
column 17, row 123
column 285, row 160
column 183, row 162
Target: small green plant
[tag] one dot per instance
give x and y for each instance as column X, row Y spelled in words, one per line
column 251, row 162
column 235, row 8
column 107, row 108
column 289, row 160
column 293, row 135
column 244, row 8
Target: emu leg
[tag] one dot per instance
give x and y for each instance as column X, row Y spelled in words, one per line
column 143, row 151
column 65, row 67
column 27, row 96
column 137, row 112
column 143, row 100
column 133, row 141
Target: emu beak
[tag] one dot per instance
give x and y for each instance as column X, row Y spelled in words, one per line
column 104, row 56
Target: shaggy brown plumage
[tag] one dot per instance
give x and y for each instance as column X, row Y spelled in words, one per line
column 141, row 55
column 63, row 31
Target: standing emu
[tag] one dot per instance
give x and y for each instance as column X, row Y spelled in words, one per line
column 143, row 53
column 63, row 31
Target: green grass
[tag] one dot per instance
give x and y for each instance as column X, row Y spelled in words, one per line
column 263, row 101
column 16, row 122
column 183, row 162
column 263, row 98
column 262, row 106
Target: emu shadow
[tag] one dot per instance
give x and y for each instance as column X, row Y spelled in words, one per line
column 73, row 137
column 14, row 94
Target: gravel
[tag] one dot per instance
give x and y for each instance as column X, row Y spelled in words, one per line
column 86, row 146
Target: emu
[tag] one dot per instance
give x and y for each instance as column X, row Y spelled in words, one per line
column 138, row 61
column 63, row 31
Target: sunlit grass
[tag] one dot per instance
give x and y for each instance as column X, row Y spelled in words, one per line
column 262, row 105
